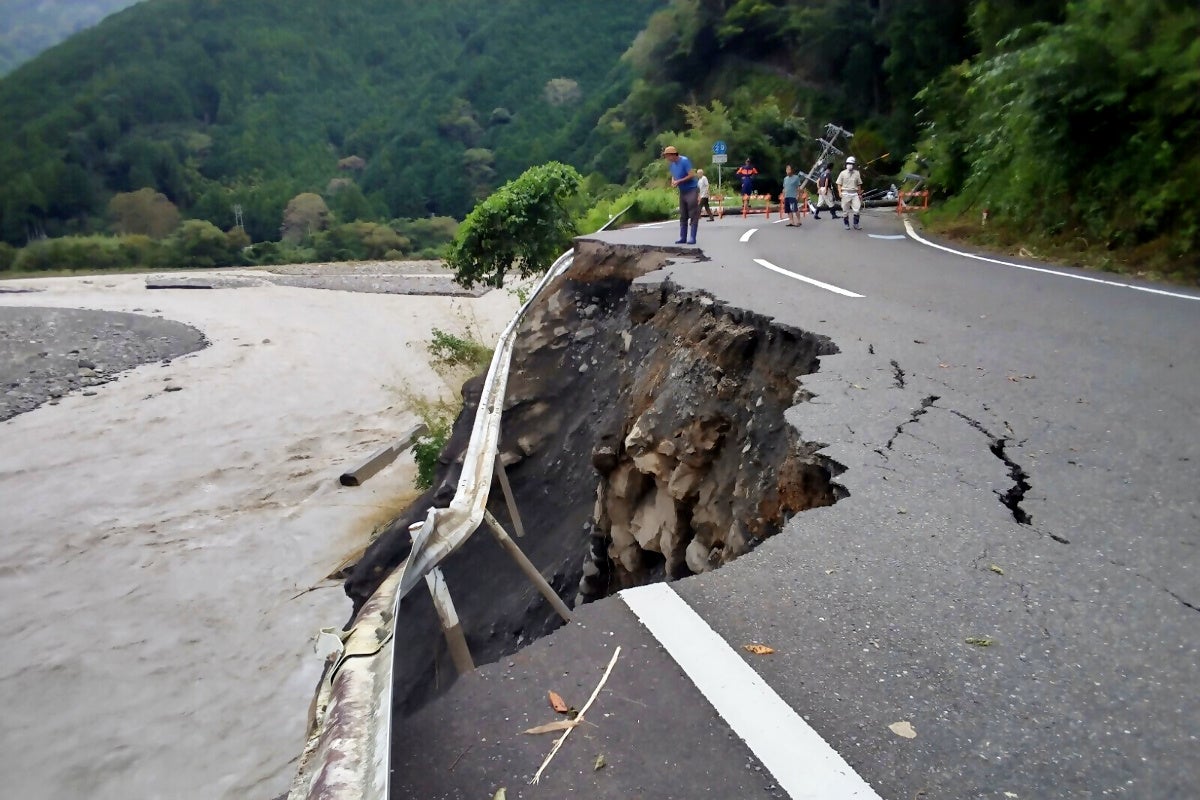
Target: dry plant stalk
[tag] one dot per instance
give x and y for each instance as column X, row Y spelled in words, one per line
column 578, row 719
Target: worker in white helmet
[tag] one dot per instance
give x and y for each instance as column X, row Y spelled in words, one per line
column 850, row 187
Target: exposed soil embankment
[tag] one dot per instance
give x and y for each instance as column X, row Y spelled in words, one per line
column 645, row 440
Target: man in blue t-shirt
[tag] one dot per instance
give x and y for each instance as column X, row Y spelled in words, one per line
column 683, row 177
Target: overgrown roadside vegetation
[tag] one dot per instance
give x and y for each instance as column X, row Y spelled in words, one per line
column 1006, row 237
column 455, row 358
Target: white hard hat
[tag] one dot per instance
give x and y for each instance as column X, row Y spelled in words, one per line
column 851, row 160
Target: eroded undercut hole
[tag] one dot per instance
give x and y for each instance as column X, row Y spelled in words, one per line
column 696, row 463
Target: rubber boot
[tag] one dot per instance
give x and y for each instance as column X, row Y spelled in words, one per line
column 682, row 234
column 833, row 213
column 856, row 222
column 692, row 238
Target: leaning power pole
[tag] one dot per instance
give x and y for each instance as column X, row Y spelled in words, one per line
column 829, row 147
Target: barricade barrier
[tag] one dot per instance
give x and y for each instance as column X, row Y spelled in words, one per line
column 902, row 204
column 749, row 208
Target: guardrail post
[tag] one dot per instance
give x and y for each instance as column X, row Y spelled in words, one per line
column 511, row 501
column 456, row 640
column 531, row 572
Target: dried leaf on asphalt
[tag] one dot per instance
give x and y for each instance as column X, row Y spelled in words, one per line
column 558, row 704
column 980, row 641
column 600, row 763
column 553, row 727
column 500, row 794
column 903, row 728
column 996, row 569
column 758, row 649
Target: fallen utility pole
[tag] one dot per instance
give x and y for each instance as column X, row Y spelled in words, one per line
column 381, row 458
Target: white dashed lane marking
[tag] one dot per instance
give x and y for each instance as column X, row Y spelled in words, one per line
column 829, row 287
column 803, row 763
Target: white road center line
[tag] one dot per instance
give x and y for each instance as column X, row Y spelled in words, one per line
column 1118, row 284
column 820, row 284
column 886, row 236
column 746, row 236
column 803, row 763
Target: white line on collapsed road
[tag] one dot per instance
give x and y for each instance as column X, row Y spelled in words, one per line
column 826, row 286
column 803, row 763
column 746, row 236
column 885, row 236
column 1118, row 284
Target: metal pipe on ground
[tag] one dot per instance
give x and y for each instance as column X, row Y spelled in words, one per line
column 381, row 458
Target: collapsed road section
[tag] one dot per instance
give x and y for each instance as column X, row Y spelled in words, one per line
column 644, row 438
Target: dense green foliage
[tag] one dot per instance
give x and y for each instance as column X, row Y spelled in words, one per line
column 1089, row 128
column 388, row 108
column 1071, row 121
column 523, row 225
column 31, row 26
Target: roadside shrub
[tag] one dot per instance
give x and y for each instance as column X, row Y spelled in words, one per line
column 73, row 253
column 267, row 254
column 448, row 350
column 142, row 251
column 8, row 254
column 358, row 241
column 427, row 449
column 523, row 225
column 644, row 205
column 199, row 243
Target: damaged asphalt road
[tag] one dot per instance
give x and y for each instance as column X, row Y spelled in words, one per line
column 1011, row 570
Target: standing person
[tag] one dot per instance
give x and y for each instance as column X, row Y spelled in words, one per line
column 825, row 192
column 746, row 172
column 850, row 186
column 702, row 187
column 791, row 196
column 683, row 177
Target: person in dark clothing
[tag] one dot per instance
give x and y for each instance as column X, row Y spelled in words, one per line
column 825, row 197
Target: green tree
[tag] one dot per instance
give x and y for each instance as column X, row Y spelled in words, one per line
column 306, row 214
column 145, row 211
column 523, row 225
column 199, row 243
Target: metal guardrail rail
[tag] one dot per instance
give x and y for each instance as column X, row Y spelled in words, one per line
column 348, row 750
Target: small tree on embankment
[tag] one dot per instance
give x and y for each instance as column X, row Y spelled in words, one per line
column 522, row 226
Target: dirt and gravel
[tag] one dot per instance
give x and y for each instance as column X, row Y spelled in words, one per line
column 46, row 353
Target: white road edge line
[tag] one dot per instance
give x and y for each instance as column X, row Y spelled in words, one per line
column 917, row 237
column 746, row 236
column 820, row 284
column 885, row 236
column 803, row 763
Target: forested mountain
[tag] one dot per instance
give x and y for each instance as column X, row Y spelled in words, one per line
column 413, row 107
column 30, row 26
column 1071, row 121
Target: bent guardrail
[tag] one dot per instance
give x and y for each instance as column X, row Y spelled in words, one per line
column 347, row 753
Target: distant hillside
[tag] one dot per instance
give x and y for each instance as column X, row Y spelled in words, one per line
column 31, row 26
column 402, row 108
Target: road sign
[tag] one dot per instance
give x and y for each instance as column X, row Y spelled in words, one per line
column 719, row 158
column 719, row 148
